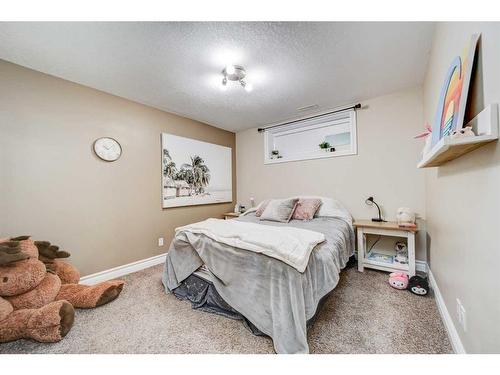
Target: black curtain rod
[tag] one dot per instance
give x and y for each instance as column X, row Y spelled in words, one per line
column 356, row 106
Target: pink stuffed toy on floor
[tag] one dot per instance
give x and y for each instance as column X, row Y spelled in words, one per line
column 398, row 280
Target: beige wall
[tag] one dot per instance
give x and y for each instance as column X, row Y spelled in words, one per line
column 53, row 187
column 385, row 166
column 462, row 196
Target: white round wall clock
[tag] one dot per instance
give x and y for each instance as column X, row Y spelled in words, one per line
column 108, row 149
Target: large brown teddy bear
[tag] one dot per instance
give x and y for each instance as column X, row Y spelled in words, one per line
column 38, row 291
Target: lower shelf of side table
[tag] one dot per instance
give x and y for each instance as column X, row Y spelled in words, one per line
column 384, row 266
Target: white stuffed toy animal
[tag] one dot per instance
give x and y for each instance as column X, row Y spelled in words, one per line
column 405, row 216
column 462, row 133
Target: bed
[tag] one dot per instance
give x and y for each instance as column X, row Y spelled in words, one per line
column 271, row 296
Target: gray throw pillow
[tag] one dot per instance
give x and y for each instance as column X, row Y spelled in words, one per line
column 279, row 210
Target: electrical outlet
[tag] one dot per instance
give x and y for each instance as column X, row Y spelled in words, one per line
column 160, row 241
column 461, row 315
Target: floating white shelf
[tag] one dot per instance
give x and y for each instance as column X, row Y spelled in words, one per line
column 485, row 125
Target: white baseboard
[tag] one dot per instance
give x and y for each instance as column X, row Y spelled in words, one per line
column 456, row 343
column 119, row 271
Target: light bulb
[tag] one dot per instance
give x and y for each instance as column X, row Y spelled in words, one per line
column 248, row 87
column 230, row 69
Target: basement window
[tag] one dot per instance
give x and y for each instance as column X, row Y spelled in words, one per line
column 321, row 137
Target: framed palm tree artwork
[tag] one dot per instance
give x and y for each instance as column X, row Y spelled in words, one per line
column 194, row 172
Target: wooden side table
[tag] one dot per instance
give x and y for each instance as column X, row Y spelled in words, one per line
column 392, row 229
column 231, row 215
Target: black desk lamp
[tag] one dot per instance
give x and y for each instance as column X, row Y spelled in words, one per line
column 370, row 202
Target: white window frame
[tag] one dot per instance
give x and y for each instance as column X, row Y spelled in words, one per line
column 305, row 125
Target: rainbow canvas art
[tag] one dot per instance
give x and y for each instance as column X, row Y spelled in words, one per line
column 453, row 98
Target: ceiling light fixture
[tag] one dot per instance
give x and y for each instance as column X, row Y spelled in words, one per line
column 235, row 73
column 230, row 69
column 248, row 87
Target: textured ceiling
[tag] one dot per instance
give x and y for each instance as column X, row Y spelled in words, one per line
column 176, row 66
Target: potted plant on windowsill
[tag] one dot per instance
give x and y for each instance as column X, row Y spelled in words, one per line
column 325, row 146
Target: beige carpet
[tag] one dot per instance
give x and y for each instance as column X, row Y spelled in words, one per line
column 363, row 315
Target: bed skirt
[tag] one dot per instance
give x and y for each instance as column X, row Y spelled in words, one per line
column 203, row 296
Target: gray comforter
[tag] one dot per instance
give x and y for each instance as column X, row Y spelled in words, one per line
column 274, row 296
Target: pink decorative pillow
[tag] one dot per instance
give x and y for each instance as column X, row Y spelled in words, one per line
column 262, row 207
column 306, row 208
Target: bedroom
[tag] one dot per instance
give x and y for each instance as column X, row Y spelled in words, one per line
column 249, row 187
